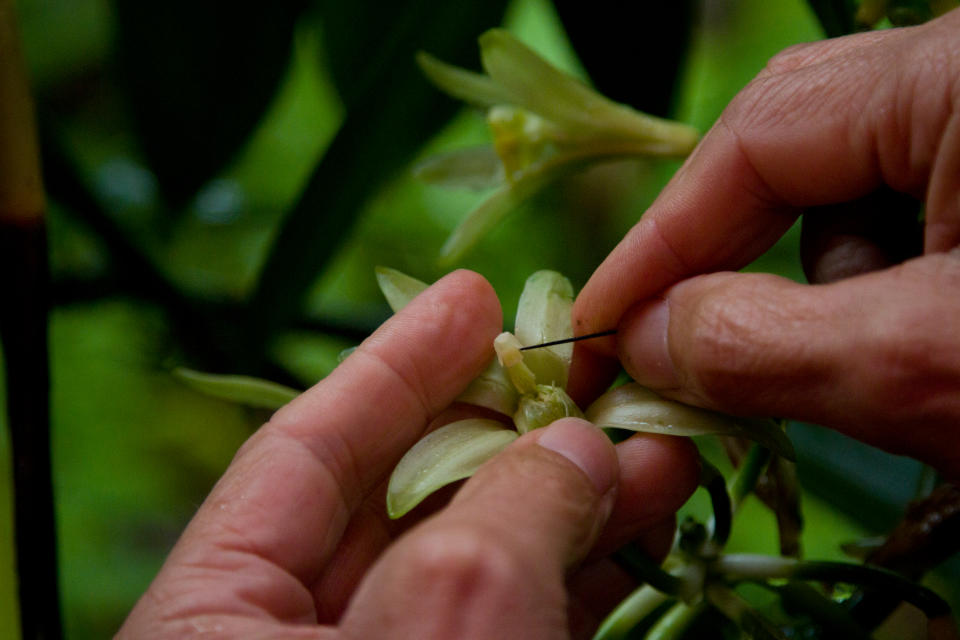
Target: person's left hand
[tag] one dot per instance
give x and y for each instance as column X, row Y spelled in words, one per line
column 294, row 540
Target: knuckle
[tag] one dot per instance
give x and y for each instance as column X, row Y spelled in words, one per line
column 739, row 335
column 463, row 560
column 791, row 58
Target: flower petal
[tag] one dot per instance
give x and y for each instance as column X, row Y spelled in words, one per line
column 638, row 409
column 493, row 390
column 545, row 90
column 450, row 453
column 543, row 315
column 252, row 392
column 474, row 88
column 475, row 168
column 398, row 288
column 489, row 212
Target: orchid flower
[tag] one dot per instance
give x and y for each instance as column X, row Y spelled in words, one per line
column 545, row 124
column 528, row 387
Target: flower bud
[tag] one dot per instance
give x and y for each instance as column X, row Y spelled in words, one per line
column 546, row 404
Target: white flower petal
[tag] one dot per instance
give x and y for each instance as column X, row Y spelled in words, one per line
column 450, row 453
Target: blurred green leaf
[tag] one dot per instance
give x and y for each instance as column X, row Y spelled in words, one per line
column 200, row 76
column 391, row 112
column 252, row 392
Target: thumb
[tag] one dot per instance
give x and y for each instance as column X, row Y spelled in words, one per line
column 876, row 356
column 493, row 564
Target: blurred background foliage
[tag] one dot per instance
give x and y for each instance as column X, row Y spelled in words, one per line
column 222, row 182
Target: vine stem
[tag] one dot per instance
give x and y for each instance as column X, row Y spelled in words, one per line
column 756, row 567
column 23, row 331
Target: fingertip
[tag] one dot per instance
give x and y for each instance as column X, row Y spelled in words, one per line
column 585, row 446
column 474, row 294
column 644, row 347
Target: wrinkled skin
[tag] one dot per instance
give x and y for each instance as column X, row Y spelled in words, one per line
column 294, row 541
column 872, row 348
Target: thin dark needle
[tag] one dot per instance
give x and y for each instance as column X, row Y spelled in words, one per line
column 599, row 334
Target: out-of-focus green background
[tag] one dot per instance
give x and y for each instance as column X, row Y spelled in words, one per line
column 134, row 451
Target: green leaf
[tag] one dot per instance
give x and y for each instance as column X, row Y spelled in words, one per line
column 450, row 453
column 471, row 87
column 398, row 288
column 199, row 77
column 391, row 113
column 252, row 392
column 493, row 390
column 543, row 315
column 474, row 168
column 638, row 409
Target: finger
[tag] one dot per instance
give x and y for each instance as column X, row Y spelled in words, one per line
column 875, row 356
column 275, row 517
column 807, row 54
column 657, row 475
column 371, row 530
column 591, row 373
column 822, row 133
column 494, row 563
column 875, row 232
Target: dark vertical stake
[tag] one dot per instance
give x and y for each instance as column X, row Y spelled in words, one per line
column 23, row 335
column 23, row 330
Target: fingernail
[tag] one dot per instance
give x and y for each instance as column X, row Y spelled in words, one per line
column 643, row 344
column 585, row 446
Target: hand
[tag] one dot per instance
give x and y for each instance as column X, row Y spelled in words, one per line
column 294, row 540
column 875, row 354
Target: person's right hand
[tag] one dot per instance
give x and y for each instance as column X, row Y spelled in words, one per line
column 876, row 351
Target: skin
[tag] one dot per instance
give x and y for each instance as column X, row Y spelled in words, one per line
column 872, row 346
column 294, row 541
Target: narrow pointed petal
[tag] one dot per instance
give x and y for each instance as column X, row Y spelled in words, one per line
column 475, row 168
column 398, row 288
column 493, row 390
column 638, row 409
column 488, row 213
column 473, row 88
column 543, row 315
column 545, row 90
column 252, row 392
column 450, row 453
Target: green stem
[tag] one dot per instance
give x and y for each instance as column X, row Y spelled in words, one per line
column 756, row 567
column 834, row 619
column 636, row 561
column 676, row 621
column 630, row 613
column 747, row 475
column 739, row 611
column 712, row 480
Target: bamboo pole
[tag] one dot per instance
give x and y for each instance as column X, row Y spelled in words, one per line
column 24, row 285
